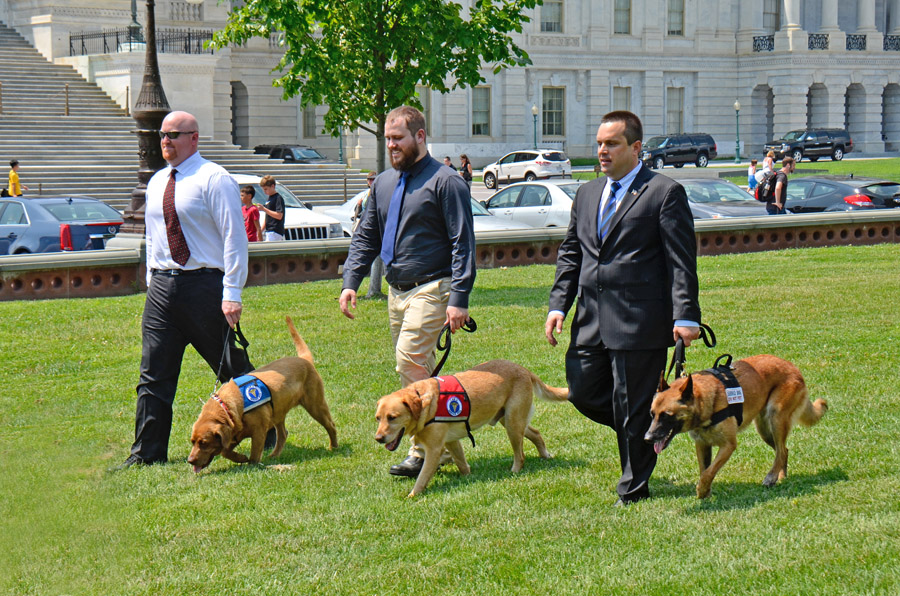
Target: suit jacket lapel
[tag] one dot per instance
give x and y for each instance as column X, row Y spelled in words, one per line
column 634, row 193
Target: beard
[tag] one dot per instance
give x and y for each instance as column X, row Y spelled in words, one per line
column 408, row 157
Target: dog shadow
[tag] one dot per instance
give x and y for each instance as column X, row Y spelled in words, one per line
column 290, row 456
column 736, row 496
column 494, row 469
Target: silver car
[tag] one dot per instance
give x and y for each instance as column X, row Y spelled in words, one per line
column 537, row 204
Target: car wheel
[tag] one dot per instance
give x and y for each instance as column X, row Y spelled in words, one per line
column 490, row 181
column 702, row 160
column 530, row 177
column 658, row 163
column 797, row 155
column 837, row 154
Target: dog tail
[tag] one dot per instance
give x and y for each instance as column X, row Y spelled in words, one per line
column 546, row 392
column 811, row 411
column 302, row 349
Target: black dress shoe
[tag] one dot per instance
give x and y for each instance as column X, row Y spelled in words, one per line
column 409, row 467
column 133, row 460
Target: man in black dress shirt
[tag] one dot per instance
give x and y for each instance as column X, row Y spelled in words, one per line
column 419, row 220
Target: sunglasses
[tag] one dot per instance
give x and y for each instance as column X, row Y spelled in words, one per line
column 173, row 134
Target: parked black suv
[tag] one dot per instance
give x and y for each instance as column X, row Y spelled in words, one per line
column 292, row 153
column 813, row 143
column 677, row 150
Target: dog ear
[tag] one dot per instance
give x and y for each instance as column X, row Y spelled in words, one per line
column 687, row 393
column 662, row 382
column 224, row 434
column 414, row 405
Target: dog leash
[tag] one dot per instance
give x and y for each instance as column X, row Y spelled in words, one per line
column 226, row 353
column 678, row 357
column 444, row 342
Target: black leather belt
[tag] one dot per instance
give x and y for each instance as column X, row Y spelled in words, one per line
column 177, row 272
column 405, row 287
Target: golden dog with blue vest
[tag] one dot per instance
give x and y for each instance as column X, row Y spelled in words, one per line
column 442, row 410
column 250, row 405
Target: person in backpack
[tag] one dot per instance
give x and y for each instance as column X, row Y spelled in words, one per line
column 775, row 203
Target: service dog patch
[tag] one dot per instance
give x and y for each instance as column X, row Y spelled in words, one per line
column 254, row 392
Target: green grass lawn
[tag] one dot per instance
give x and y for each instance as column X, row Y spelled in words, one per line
column 321, row 522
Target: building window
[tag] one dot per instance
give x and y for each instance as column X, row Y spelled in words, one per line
column 551, row 16
column 621, row 99
column 424, row 95
column 309, row 122
column 554, row 112
column 622, row 17
column 675, row 18
column 481, row 111
column 771, row 15
column 674, row 110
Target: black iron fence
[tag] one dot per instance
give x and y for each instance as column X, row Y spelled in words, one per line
column 111, row 41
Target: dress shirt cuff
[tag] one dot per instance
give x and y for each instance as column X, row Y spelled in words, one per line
column 557, row 312
column 231, row 294
column 686, row 323
column 459, row 299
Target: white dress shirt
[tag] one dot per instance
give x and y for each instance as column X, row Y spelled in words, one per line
column 208, row 204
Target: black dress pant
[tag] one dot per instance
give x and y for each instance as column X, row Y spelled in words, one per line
column 179, row 310
column 615, row 388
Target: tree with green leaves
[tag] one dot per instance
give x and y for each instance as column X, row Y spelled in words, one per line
column 363, row 58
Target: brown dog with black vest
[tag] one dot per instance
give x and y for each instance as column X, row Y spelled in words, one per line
column 775, row 397
column 498, row 391
column 223, row 423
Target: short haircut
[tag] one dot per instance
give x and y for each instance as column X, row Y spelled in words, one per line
column 267, row 181
column 771, row 154
column 371, row 175
column 634, row 130
column 787, row 161
column 413, row 118
column 13, row 163
column 753, row 162
column 249, row 190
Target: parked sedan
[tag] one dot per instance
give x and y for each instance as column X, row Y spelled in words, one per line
column 812, row 194
column 527, row 164
column 483, row 222
column 538, row 204
column 712, row 198
column 300, row 221
column 53, row 224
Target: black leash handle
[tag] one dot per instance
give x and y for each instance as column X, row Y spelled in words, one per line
column 226, row 350
column 444, row 342
column 678, row 359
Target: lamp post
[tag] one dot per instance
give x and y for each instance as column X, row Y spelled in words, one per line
column 534, row 113
column 737, row 132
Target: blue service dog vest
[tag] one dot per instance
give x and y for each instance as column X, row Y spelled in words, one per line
column 254, row 392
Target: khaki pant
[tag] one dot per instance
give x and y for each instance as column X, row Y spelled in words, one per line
column 417, row 317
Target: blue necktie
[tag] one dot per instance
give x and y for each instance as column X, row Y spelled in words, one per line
column 609, row 209
column 393, row 218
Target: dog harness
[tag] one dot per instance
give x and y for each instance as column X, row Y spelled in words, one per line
column 733, row 392
column 453, row 404
column 254, row 392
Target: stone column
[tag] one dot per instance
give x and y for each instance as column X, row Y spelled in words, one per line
column 791, row 37
column 865, row 17
column 895, row 17
column 837, row 39
column 749, row 26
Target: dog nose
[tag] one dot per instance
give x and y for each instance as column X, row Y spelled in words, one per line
column 379, row 438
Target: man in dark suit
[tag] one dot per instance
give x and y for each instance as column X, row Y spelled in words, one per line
column 629, row 259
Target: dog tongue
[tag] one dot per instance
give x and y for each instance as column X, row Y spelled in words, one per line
column 198, row 469
column 659, row 446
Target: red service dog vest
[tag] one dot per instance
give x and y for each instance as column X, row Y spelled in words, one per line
column 453, row 404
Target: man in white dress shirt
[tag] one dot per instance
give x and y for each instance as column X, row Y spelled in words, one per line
column 196, row 269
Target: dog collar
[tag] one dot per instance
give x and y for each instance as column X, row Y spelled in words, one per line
column 453, row 404
column 218, row 399
column 254, row 391
column 733, row 392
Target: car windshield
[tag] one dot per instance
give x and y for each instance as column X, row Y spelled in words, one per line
column 655, row 143
column 478, row 209
column 82, row 211
column 289, row 199
column 554, row 155
column 713, row 191
column 793, row 135
column 883, row 190
column 569, row 189
column 307, row 154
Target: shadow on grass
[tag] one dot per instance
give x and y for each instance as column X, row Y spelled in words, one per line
column 290, row 455
column 733, row 496
column 492, row 469
column 512, row 296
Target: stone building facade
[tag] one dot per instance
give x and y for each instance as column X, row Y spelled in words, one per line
column 679, row 64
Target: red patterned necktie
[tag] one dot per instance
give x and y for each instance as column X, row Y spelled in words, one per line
column 177, row 244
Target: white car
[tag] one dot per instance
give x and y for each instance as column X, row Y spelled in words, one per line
column 300, row 222
column 537, row 204
column 483, row 220
column 527, row 164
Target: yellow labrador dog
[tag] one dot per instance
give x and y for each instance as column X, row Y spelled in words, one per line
column 498, row 390
column 223, row 422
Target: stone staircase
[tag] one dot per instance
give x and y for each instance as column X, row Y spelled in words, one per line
column 92, row 151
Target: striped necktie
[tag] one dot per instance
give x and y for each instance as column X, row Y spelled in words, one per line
column 177, row 243
column 608, row 210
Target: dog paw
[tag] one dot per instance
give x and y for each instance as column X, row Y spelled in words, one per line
column 770, row 480
column 703, row 492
